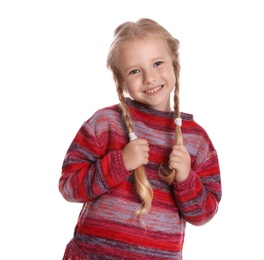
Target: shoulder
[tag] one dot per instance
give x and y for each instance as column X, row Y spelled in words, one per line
column 192, row 130
column 104, row 120
column 190, row 125
column 105, row 114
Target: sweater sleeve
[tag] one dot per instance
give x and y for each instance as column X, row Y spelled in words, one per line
column 199, row 195
column 89, row 168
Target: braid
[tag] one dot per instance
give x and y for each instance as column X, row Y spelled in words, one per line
column 169, row 175
column 179, row 139
column 125, row 110
column 142, row 185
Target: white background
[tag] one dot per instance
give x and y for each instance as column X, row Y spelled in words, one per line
column 53, row 77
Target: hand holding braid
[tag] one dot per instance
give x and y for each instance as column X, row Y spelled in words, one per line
column 142, row 184
column 179, row 161
column 136, row 153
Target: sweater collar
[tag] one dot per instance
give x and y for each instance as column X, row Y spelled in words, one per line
column 148, row 110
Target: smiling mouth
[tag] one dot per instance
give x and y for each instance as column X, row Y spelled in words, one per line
column 154, row 90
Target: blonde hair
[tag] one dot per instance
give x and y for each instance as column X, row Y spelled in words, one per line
column 124, row 33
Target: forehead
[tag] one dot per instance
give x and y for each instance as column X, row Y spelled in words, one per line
column 151, row 44
column 143, row 49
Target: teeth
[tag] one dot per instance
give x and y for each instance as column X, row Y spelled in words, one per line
column 153, row 90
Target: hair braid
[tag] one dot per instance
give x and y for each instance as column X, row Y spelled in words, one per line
column 142, row 185
column 170, row 174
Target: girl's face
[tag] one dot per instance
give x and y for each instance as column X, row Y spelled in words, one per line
column 147, row 71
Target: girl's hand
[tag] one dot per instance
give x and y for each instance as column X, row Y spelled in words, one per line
column 180, row 160
column 135, row 153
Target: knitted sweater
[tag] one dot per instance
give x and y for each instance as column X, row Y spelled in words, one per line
column 93, row 173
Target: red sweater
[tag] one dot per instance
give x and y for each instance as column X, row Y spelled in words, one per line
column 94, row 174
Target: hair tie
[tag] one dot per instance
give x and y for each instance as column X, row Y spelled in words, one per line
column 132, row 136
column 178, row 121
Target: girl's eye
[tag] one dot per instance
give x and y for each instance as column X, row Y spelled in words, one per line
column 158, row 63
column 133, row 72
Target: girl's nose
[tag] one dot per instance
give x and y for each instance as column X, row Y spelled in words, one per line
column 149, row 77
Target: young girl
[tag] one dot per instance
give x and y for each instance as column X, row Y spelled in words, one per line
column 141, row 169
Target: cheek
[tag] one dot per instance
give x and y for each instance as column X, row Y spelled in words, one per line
column 172, row 76
column 130, row 89
column 133, row 83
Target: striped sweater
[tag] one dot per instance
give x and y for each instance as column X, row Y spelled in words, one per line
column 93, row 173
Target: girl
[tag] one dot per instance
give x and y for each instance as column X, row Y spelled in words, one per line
column 141, row 169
